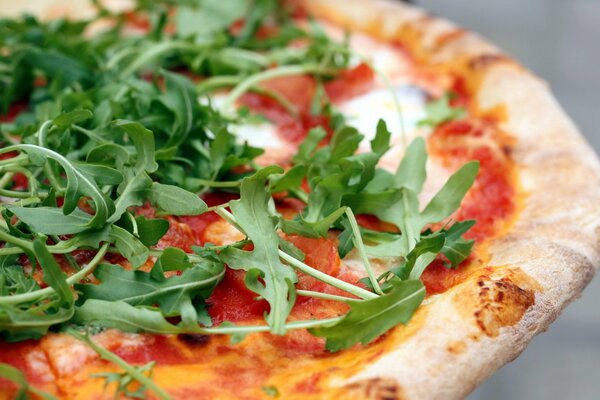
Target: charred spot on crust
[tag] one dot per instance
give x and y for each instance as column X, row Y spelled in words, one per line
column 501, row 303
column 457, row 347
column 376, row 389
column 485, row 60
column 194, row 339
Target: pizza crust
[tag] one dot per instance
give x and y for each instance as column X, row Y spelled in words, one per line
column 542, row 263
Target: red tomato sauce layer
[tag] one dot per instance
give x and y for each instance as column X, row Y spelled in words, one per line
column 491, row 200
column 300, row 92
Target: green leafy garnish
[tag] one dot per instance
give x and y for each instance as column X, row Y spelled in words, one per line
column 115, row 148
column 271, row 391
column 440, row 111
column 266, row 275
column 130, row 372
column 369, row 319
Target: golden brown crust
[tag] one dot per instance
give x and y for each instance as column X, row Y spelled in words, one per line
column 551, row 252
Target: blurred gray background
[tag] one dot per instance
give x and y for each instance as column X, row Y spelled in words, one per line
column 560, row 41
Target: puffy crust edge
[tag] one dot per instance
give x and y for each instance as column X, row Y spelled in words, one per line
column 544, row 261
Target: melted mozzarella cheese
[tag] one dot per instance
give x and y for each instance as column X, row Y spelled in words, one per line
column 264, row 135
column 364, row 112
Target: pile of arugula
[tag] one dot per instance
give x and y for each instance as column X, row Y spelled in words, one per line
column 111, row 125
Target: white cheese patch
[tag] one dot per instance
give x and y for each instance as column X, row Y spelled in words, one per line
column 263, row 135
column 387, row 59
column 364, row 112
column 67, row 354
column 258, row 135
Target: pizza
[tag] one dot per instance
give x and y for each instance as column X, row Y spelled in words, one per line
column 305, row 199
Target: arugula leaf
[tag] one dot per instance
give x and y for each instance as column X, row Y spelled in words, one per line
column 132, row 192
column 440, row 111
column 381, row 142
column 448, row 199
column 140, row 288
column 456, row 248
column 124, row 381
column 123, row 316
column 181, row 99
column 369, row 319
column 176, row 201
column 143, row 140
column 53, row 275
column 52, row 220
column 101, row 174
column 151, row 230
column 271, row 391
column 172, row 259
column 265, row 273
column 423, row 254
column 12, row 278
column 78, row 184
column 19, row 323
column 209, row 17
column 311, row 229
column 66, row 120
column 129, row 246
column 411, row 172
column 58, row 65
column 401, row 206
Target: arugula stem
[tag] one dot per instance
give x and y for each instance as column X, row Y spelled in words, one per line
column 32, row 182
column 286, row 70
column 217, row 184
column 227, row 216
column 75, row 278
column 214, row 208
column 328, row 279
column 90, row 134
column 115, row 359
column 300, row 194
column 19, row 203
column 249, row 55
column 154, row 52
column 14, row 194
column 411, row 237
column 5, row 251
column 21, row 159
column 219, row 82
column 22, row 243
column 50, row 173
column 360, row 246
column 246, row 329
column 324, row 296
column 6, row 179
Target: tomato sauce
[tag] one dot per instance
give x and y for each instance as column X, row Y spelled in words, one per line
column 491, row 200
column 23, row 356
column 13, row 111
column 300, row 92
